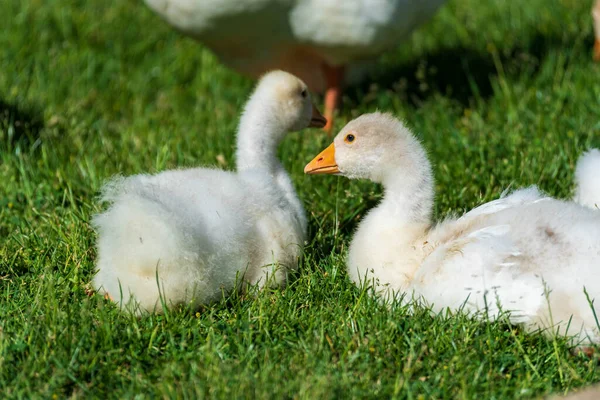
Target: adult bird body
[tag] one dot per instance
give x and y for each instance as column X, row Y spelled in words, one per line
column 324, row 42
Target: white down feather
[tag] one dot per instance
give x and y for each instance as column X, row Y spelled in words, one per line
column 190, row 235
column 525, row 253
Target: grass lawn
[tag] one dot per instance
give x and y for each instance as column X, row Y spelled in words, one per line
column 501, row 92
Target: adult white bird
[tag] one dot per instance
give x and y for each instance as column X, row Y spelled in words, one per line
column 320, row 41
column 188, row 236
column 525, row 253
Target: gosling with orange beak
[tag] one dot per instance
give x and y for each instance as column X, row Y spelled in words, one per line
column 525, row 253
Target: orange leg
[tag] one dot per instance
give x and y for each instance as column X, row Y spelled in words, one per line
column 597, row 50
column 334, row 78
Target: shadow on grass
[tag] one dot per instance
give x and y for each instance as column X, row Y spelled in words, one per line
column 462, row 74
column 19, row 124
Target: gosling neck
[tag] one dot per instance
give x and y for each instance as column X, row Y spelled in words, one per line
column 259, row 135
column 408, row 196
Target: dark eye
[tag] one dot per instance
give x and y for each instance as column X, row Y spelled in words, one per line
column 303, row 93
column 349, row 138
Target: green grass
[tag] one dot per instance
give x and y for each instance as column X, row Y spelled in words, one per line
column 501, row 92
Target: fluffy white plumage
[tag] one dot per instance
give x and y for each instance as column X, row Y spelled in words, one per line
column 253, row 36
column 587, row 179
column 198, row 232
column 525, row 253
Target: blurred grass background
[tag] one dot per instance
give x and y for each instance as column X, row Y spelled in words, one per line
column 501, row 92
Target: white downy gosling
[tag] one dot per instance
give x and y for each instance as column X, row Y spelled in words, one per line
column 524, row 253
column 188, row 236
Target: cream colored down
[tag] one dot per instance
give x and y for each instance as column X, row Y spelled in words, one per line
column 524, row 253
column 189, row 236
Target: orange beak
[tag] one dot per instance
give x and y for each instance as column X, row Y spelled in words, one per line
column 317, row 120
column 324, row 163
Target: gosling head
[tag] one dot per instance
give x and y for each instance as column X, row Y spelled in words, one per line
column 373, row 146
column 287, row 99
